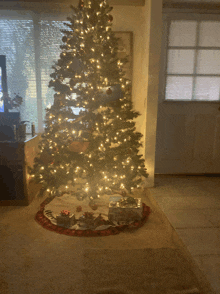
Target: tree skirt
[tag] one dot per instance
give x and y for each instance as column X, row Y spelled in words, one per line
column 52, row 207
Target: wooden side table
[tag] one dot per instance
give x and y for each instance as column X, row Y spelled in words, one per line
column 15, row 188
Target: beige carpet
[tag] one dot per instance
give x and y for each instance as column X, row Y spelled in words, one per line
column 162, row 270
column 34, row 260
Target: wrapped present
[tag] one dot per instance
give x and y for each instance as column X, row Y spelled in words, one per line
column 125, row 210
column 87, row 220
column 66, row 220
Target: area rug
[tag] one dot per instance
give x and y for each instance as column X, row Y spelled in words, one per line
column 53, row 205
column 141, row 271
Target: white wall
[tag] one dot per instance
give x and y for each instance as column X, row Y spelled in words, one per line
column 146, row 24
column 130, row 18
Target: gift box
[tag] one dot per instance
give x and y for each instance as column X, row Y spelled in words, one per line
column 66, row 220
column 123, row 211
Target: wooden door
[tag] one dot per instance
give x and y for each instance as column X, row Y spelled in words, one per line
column 188, row 138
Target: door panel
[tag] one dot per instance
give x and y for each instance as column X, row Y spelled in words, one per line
column 188, row 138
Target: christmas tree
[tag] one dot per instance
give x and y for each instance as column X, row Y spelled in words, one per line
column 85, row 77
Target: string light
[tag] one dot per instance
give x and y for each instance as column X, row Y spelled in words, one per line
column 109, row 118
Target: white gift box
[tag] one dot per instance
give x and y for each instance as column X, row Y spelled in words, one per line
column 125, row 214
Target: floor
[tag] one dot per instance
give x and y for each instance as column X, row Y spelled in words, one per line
column 192, row 206
column 148, row 260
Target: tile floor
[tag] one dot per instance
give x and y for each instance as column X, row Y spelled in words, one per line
column 192, row 206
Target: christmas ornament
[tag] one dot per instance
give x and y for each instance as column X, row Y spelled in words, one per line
column 123, row 193
column 81, row 4
column 110, row 18
column 93, row 205
column 79, row 208
column 64, row 39
column 109, row 91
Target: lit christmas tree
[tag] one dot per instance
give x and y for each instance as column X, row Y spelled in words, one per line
column 85, row 77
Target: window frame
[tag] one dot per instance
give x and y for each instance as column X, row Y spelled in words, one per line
column 167, row 18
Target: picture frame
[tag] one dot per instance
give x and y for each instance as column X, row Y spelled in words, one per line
column 125, row 49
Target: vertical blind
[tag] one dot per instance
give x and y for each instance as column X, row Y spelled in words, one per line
column 31, row 45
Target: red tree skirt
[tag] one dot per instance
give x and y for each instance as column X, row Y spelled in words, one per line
column 46, row 223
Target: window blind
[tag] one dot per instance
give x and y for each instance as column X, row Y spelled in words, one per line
column 18, row 31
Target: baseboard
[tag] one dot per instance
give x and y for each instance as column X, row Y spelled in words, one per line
column 188, row 175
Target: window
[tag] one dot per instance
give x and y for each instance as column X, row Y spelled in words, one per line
column 31, row 44
column 193, row 60
column 1, row 93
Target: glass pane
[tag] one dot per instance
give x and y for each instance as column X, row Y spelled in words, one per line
column 208, row 62
column 17, row 43
column 182, row 33
column 1, row 94
column 179, row 88
column 180, row 61
column 209, row 34
column 207, row 88
column 50, row 41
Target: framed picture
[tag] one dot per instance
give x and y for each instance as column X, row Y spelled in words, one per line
column 125, row 49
